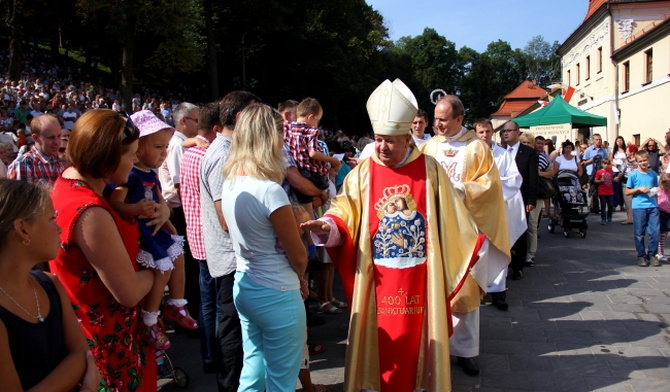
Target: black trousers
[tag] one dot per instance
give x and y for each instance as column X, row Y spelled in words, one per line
column 228, row 336
column 519, row 252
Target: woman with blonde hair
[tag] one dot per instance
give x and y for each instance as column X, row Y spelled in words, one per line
column 271, row 258
column 97, row 259
column 528, row 139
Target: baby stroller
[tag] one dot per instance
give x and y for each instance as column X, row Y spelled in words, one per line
column 572, row 204
column 169, row 374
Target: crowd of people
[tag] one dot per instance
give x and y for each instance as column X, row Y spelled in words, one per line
column 245, row 211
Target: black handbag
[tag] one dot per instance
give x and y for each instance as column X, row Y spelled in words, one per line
column 547, row 190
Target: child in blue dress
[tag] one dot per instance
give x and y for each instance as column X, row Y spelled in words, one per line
column 160, row 248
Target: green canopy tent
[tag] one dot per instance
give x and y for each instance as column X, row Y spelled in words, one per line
column 560, row 112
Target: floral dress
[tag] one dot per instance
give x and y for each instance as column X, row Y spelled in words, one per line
column 113, row 331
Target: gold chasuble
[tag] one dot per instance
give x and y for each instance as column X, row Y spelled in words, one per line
column 408, row 245
column 470, row 165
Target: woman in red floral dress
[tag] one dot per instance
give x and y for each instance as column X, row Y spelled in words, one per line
column 96, row 262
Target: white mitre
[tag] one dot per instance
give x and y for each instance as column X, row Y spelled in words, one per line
column 392, row 108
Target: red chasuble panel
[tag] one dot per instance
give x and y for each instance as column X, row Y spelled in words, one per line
column 399, row 249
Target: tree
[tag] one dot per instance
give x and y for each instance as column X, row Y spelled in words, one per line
column 25, row 20
column 323, row 49
column 542, row 61
column 489, row 77
column 169, row 32
column 433, row 62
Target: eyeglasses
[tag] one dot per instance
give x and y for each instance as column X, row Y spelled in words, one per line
column 651, row 145
column 129, row 130
column 192, row 119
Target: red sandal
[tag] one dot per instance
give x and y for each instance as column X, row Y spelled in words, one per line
column 180, row 315
column 156, row 337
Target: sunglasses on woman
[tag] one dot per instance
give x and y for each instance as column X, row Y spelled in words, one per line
column 129, row 130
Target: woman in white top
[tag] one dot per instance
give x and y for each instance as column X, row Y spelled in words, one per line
column 619, row 160
column 271, row 258
column 567, row 161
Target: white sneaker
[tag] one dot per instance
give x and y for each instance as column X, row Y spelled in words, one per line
column 662, row 257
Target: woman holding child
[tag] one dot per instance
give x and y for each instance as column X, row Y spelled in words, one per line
column 96, row 261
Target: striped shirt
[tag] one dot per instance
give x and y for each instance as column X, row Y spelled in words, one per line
column 542, row 161
column 189, row 188
column 35, row 167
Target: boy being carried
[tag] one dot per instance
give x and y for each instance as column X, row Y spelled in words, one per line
column 302, row 137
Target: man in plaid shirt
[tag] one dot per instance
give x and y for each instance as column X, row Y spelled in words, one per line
column 189, row 189
column 41, row 163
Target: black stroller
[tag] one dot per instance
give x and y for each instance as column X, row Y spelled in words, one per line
column 572, row 204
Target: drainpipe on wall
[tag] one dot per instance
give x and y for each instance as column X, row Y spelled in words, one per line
column 617, row 111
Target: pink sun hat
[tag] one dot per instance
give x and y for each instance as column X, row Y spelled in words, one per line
column 148, row 124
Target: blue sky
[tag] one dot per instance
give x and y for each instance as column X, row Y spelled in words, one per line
column 476, row 23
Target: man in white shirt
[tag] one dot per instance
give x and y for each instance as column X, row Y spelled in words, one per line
column 527, row 164
column 69, row 117
column 516, row 214
column 472, row 170
column 186, row 126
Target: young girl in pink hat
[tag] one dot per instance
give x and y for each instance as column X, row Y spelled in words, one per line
column 160, row 248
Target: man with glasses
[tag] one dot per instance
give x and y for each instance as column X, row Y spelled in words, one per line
column 516, row 211
column 470, row 166
column 527, row 164
column 185, row 117
column 41, row 164
column 590, row 161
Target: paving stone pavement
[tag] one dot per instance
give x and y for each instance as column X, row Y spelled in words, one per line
column 586, row 318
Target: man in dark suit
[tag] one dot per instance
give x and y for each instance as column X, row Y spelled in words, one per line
column 527, row 163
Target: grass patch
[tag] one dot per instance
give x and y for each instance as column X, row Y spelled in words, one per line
column 76, row 56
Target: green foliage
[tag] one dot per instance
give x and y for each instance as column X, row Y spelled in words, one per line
column 434, row 63
column 166, row 34
column 543, row 63
column 335, row 51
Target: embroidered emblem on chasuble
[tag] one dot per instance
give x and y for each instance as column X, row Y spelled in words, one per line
column 399, row 252
column 451, row 156
column 400, row 240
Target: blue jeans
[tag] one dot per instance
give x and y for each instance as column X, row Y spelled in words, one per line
column 646, row 220
column 273, row 332
column 208, row 314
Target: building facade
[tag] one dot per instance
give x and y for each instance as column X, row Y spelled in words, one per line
column 618, row 61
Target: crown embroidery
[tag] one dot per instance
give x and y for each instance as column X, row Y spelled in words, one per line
column 450, row 152
column 391, row 194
